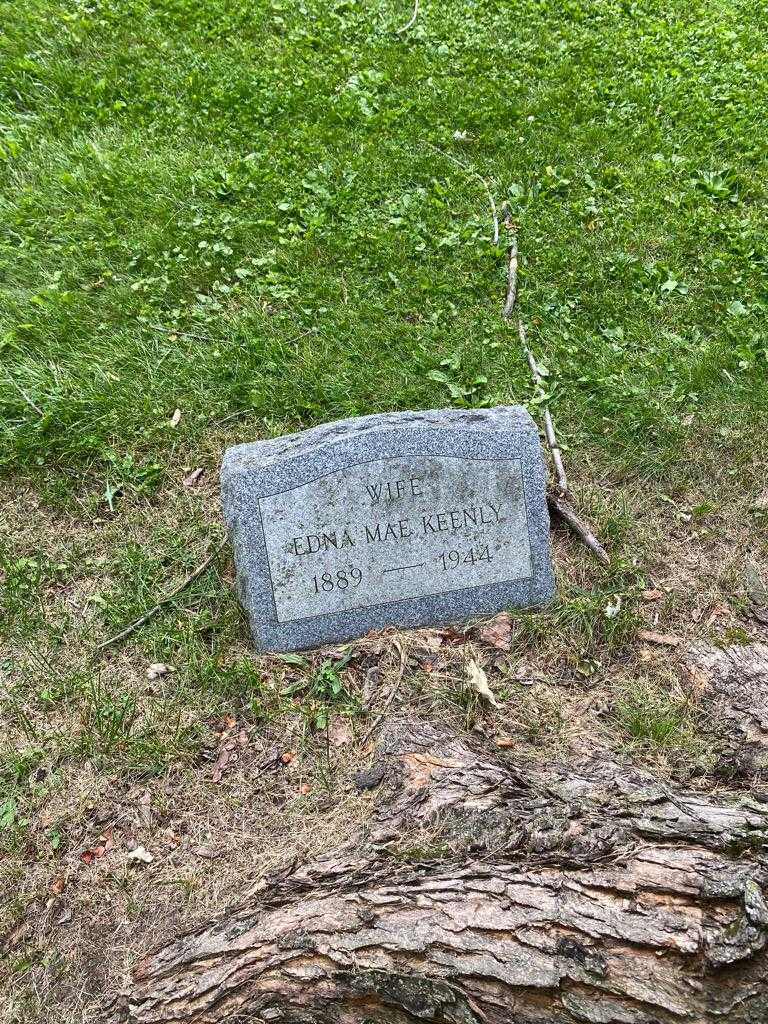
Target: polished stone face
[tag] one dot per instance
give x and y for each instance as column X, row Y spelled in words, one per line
column 400, row 519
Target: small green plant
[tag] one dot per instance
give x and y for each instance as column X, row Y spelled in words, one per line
column 719, row 185
column 323, row 692
column 22, row 585
column 16, row 767
column 652, row 716
column 14, row 817
column 326, row 684
column 465, row 394
column 8, row 813
column 735, row 636
column 107, row 718
column 124, row 474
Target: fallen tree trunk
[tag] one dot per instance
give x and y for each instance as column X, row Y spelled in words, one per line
column 489, row 890
column 735, row 680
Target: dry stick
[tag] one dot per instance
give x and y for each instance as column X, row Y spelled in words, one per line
column 509, row 302
column 412, row 21
column 483, row 182
column 576, row 523
column 557, row 499
column 137, row 623
column 549, row 427
column 390, row 697
column 509, row 305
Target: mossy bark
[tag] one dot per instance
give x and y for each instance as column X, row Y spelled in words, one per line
column 490, row 891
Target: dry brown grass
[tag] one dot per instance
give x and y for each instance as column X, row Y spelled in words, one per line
column 74, row 923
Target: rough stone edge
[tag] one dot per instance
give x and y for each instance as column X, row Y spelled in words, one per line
column 255, row 458
column 248, row 455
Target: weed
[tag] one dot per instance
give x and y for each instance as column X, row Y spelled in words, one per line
column 23, row 584
column 15, row 769
column 325, row 691
column 652, row 716
column 107, row 718
column 734, row 636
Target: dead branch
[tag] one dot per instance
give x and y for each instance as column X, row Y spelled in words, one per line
column 411, row 21
column 561, row 507
column 509, row 306
column 478, row 177
column 560, row 500
column 137, row 623
column 549, row 426
column 509, row 303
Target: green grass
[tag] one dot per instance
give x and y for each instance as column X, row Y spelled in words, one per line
column 264, row 175
column 655, row 719
column 650, row 715
column 253, row 213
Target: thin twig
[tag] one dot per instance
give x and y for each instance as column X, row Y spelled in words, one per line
column 509, row 303
column 509, row 306
column 390, row 697
column 23, row 393
column 137, row 623
column 549, row 426
column 474, row 174
column 175, row 330
column 558, row 498
column 565, row 510
column 412, row 20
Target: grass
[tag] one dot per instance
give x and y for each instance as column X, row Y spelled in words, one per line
column 651, row 716
column 267, row 215
column 267, row 180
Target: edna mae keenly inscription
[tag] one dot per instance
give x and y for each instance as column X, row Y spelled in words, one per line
column 404, row 519
column 406, row 528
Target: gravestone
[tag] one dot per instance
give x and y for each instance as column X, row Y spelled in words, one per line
column 405, row 519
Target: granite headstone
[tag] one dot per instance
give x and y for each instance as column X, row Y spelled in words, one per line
column 406, row 519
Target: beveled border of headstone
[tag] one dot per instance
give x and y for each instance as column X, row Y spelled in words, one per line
column 264, row 468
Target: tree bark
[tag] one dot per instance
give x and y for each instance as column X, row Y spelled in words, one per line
column 735, row 681
column 488, row 890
